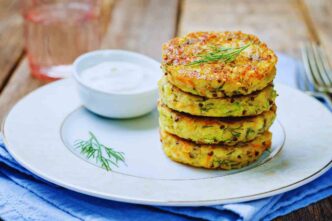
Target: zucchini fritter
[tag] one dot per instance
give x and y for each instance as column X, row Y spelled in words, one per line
column 238, row 106
column 252, row 70
column 214, row 156
column 205, row 130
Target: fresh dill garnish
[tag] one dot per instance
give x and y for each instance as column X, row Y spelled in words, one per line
column 105, row 156
column 224, row 54
column 206, row 107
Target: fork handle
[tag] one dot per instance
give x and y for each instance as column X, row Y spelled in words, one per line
column 322, row 96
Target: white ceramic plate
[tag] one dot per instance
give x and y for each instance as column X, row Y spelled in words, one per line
column 41, row 129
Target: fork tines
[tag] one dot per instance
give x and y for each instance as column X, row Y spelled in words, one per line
column 317, row 67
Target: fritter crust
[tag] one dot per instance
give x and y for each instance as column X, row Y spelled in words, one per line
column 251, row 71
column 238, row 106
column 214, row 156
column 207, row 130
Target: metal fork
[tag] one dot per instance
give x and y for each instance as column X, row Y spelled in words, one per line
column 317, row 68
column 317, row 80
column 305, row 85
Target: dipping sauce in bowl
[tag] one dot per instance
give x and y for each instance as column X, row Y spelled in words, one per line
column 119, row 76
column 117, row 83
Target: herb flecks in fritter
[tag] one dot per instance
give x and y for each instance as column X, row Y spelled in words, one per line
column 217, row 99
column 248, row 65
column 210, row 130
column 215, row 156
column 248, row 105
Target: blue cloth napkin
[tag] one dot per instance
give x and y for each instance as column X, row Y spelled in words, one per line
column 24, row 196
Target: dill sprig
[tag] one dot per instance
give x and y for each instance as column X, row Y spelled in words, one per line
column 105, row 156
column 224, row 54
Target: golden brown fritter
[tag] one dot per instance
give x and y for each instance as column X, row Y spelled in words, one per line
column 214, row 156
column 238, row 106
column 252, row 70
column 228, row 131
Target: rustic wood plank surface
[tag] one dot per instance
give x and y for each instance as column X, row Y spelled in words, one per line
column 320, row 12
column 11, row 38
column 142, row 25
column 279, row 23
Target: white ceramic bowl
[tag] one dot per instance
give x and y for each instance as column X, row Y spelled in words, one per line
column 116, row 104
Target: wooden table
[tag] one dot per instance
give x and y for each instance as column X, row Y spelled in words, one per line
column 143, row 25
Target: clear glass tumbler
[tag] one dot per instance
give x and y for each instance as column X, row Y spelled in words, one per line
column 58, row 31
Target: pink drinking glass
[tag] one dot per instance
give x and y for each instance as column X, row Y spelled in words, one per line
column 58, row 31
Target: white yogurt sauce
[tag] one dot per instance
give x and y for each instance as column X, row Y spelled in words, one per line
column 119, row 76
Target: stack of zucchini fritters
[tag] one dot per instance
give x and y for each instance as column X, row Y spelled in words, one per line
column 217, row 99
